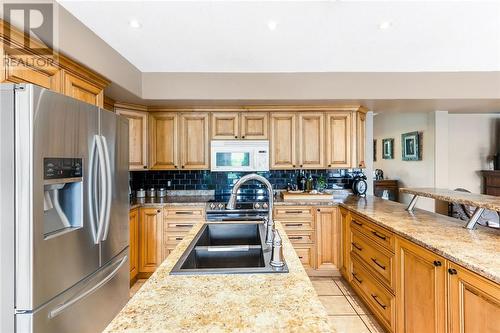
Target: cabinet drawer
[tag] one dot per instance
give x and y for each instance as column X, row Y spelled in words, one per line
column 171, row 238
column 184, row 213
column 286, row 213
column 301, row 237
column 297, row 225
column 374, row 256
column 178, row 226
column 306, row 255
column 380, row 300
column 374, row 232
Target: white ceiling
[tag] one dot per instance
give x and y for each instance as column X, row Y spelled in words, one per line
column 310, row 36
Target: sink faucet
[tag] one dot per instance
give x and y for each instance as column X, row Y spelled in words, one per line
column 231, row 204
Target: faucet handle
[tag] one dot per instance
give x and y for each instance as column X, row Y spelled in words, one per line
column 277, row 251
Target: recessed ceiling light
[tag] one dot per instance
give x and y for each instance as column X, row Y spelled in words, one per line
column 385, row 25
column 272, row 25
column 135, row 24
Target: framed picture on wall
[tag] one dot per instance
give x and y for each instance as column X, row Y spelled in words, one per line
column 374, row 150
column 388, row 149
column 410, row 146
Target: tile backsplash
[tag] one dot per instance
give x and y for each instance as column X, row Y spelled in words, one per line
column 222, row 182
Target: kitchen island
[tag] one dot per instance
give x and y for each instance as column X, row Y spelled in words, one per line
column 284, row 302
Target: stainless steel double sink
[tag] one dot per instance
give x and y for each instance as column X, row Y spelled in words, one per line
column 228, row 248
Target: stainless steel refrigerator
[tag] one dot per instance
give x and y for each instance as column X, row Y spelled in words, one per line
column 64, row 212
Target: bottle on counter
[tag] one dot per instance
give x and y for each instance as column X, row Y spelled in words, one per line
column 309, row 183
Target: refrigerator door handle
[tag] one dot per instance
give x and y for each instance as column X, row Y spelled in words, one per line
column 104, row 188
column 58, row 310
column 108, row 186
column 92, row 186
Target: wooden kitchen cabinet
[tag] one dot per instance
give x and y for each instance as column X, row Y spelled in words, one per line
column 360, row 139
column 194, row 146
column 283, row 141
column 420, row 289
column 345, row 240
column 134, row 244
column 138, row 136
column 254, row 125
column 163, row 141
column 473, row 301
column 311, row 140
column 327, row 239
column 225, row 125
column 338, row 139
column 83, row 90
column 150, row 240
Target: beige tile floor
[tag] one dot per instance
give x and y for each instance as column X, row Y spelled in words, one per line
column 346, row 313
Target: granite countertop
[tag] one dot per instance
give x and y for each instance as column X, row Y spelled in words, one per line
column 284, row 302
column 184, row 200
column 465, row 198
column 477, row 250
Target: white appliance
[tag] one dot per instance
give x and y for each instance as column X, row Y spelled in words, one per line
column 64, row 233
column 239, row 155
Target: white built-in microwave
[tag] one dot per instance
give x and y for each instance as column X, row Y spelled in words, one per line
column 239, row 155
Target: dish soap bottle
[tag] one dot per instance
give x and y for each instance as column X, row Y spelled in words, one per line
column 309, row 183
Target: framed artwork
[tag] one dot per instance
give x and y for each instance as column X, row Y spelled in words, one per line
column 411, row 150
column 388, row 149
column 374, row 150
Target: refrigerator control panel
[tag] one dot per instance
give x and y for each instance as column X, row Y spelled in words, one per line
column 57, row 168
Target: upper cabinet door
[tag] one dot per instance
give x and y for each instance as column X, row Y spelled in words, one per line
column 311, row 140
column 225, row 125
column 137, row 131
column 254, row 125
column 82, row 90
column 360, row 138
column 163, row 143
column 194, row 149
column 338, row 140
column 283, row 145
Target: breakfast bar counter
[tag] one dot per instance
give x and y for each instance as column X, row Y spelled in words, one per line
column 284, row 302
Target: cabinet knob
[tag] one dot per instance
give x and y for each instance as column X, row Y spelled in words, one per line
column 301, row 165
column 329, row 165
column 293, row 165
column 236, row 137
column 437, row 263
column 158, row 211
column 452, row 271
column 182, row 167
column 175, row 166
column 319, row 210
column 145, row 166
column 243, row 137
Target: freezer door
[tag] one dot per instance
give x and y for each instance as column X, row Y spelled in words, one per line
column 55, row 241
column 115, row 233
column 87, row 307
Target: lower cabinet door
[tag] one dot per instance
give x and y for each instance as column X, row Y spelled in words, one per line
column 327, row 239
column 420, row 289
column 150, row 239
column 474, row 302
column 134, row 243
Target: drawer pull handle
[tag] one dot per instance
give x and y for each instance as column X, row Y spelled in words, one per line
column 378, row 264
column 383, row 237
column 452, row 271
column 294, row 224
column 359, row 248
column 437, row 263
column 184, row 213
column 301, row 257
column 178, row 238
column 293, row 212
column 355, row 276
column 295, row 237
column 357, row 223
column 382, row 305
column 183, row 225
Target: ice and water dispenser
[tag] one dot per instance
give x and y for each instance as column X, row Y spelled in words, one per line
column 63, row 195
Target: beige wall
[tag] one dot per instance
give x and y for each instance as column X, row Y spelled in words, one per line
column 409, row 173
column 473, row 139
